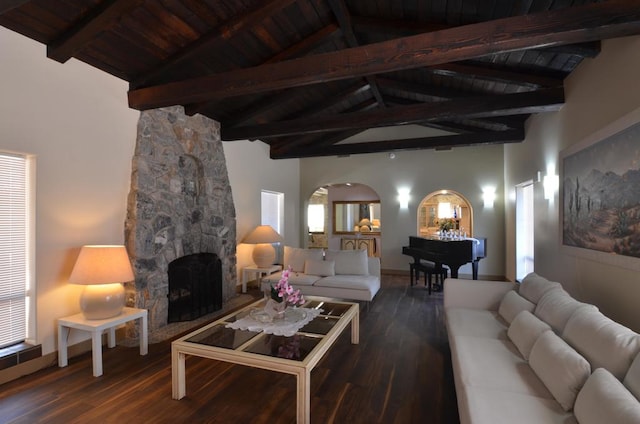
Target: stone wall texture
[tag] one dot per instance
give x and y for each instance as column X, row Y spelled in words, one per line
column 180, row 202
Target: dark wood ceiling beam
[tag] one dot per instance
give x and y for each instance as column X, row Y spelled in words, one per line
column 439, row 142
column 218, row 35
column 473, row 107
column 478, row 71
column 403, row 28
column 565, row 26
column 8, row 5
column 430, row 92
column 331, row 101
column 343, row 16
column 96, row 22
column 315, row 40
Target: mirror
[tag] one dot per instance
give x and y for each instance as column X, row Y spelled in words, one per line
column 444, row 209
column 361, row 217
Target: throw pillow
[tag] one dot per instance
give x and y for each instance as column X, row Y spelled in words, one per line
column 604, row 342
column 560, row 368
column 349, row 262
column 321, row 268
column 294, row 257
column 512, row 304
column 534, row 286
column 524, row 332
column 603, row 399
column 556, row 306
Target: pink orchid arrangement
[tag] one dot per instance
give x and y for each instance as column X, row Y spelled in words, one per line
column 283, row 292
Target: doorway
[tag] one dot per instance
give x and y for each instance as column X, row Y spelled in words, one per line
column 524, row 230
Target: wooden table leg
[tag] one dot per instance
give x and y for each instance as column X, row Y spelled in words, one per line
column 355, row 328
column 304, row 397
column 178, row 377
column 96, row 352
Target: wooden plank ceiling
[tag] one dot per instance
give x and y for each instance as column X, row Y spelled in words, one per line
column 313, row 77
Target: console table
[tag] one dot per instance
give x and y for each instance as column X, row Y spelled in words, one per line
column 96, row 327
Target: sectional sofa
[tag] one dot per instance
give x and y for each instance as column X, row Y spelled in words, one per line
column 530, row 353
column 341, row 274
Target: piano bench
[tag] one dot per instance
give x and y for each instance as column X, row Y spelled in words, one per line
column 429, row 269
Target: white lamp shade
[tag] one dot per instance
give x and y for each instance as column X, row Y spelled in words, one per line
column 102, row 269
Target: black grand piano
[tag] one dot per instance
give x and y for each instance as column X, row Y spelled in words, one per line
column 451, row 252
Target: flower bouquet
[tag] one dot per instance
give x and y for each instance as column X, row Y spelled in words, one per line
column 283, row 295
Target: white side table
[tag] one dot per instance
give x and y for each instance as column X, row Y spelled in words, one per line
column 258, row 272
column 96, row 328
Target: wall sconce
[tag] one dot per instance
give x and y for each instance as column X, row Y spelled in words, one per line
column 550, row 183
column 403, row 198
column 488, row 197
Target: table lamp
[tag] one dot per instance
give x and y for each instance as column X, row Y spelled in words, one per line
column 102, row 269
column 263, row 253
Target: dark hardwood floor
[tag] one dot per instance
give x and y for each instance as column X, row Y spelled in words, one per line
column 399, row 373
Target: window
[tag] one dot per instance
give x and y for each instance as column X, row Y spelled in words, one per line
column 15, row 241
column 524, row 229
column 315, row 217
column 272, row 210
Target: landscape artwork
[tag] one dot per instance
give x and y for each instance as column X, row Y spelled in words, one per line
column 601, row 195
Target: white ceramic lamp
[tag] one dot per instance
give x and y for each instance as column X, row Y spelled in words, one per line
column 263, row 253
column 102, row 269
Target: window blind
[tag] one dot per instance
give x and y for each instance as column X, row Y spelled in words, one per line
column 13, row 248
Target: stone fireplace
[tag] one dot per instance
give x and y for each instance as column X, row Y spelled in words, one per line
column 180, row 203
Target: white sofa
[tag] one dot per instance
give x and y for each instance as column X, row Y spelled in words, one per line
column 340, row 274
column 530, row 353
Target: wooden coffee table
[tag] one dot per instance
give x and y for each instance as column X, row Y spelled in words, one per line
column 295, row 355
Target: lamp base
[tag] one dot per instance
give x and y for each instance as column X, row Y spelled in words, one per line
column 101, row 301
column 263, row 255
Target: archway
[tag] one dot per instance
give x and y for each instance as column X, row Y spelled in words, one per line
column 344, row 216
column 444, row 209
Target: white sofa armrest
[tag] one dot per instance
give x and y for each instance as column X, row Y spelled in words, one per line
column 374, row 265
column 475, row 294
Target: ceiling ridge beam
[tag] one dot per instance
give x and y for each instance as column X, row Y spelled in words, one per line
column 343, row 16
column 437, row 142
column 97, row 21
column 565, row 26
column 550, row 99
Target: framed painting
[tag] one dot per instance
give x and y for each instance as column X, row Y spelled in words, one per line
column 600, row 206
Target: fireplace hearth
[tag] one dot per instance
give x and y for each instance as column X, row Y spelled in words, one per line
column 195, row 286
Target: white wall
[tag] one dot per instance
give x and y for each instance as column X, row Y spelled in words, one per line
column 599, row 92
column 465, row 170
column 250, row 171
column 77, row 123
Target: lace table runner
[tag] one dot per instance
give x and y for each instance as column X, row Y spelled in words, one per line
column 294, row 319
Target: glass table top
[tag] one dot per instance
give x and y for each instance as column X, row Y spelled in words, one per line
column 296, row 347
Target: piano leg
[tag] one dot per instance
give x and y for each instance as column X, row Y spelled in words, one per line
column 474, row 266
column 454, row 271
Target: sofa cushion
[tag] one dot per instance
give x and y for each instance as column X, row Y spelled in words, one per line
column 562, row 370
column 349, row 262
column 603, row 399
column 475, row 323
column 322, row 268
column 512, row 303
column 491, row 406
column 358, row 282
column 497, row 364
column 525, row 330
column 556, row 306
column 294, row 257
column 295, row 279
column 534, row 286
column 632, row 379
column 604, row 342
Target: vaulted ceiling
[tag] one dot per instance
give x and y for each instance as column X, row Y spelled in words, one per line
column 313, row 77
